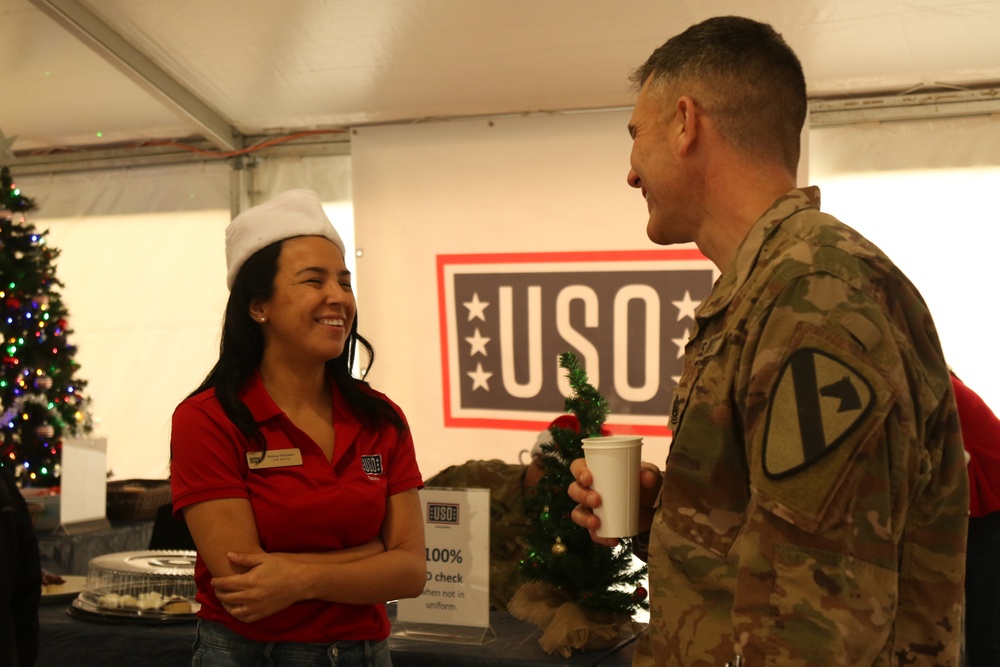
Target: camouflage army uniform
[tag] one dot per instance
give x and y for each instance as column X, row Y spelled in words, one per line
column 814, row 500
column 508, row 522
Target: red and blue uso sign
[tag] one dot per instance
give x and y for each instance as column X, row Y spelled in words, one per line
column 506, row 318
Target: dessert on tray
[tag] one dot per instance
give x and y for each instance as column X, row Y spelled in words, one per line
column 140, row 585
column 51, row 582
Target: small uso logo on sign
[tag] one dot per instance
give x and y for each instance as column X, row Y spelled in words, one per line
column 506, row 318
column 442, row 513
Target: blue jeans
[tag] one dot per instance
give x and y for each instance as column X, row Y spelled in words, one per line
column 216, row 646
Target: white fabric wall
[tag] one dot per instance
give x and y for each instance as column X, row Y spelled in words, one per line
column 83, row 195
column 145, row 305
column 143, row 264
column 526, row 184
column 141, row 260
column 923, row 191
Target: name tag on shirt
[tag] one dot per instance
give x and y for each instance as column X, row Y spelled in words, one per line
column 274, row 458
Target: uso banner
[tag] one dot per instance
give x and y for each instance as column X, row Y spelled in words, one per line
column 506, row 318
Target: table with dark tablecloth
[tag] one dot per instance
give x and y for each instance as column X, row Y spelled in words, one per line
column 70, row 554
column 66, row 640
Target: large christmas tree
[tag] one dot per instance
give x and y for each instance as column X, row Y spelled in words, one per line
column 561, row 553
column 41, row 399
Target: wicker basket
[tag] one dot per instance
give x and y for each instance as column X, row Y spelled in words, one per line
column 137, row 499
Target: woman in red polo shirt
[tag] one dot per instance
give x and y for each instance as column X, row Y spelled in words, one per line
column 981, row 435
column 297, row 480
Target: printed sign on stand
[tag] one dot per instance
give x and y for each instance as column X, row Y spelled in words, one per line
column 84, row 486
column 455, row 604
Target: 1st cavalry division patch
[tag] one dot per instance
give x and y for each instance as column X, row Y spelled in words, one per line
column 818, row 402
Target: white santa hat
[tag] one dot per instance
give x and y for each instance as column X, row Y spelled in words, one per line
column 292, row 213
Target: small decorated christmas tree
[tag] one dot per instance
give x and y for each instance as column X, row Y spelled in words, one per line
column 41, row 399
column 564, row 567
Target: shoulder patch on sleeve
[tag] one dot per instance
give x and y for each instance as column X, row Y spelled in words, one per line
column 827, row 405
column 818, row 402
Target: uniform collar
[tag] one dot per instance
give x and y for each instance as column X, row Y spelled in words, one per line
column 734, row 277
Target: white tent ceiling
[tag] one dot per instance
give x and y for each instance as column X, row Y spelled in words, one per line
column 263, row 67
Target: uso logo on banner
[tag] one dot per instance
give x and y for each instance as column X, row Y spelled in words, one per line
column 506, row 318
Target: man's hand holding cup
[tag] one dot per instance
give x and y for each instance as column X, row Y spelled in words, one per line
column 624, row 494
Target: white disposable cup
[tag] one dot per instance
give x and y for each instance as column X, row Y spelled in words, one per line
column 614, row 461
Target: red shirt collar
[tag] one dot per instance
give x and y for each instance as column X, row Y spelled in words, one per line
column 262, row 407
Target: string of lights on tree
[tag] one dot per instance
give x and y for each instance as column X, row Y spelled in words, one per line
column 561, row 553
column 41, row 399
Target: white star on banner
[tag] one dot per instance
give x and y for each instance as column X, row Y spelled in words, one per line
column 478, row 343
column 476, row 308
column 480, row 378
column 6, row 148
column 681, row 342
column 686, row 306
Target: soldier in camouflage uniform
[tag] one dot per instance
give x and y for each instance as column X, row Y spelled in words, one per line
column 813, row 509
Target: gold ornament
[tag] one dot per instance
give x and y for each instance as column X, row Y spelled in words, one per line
column 558, row 549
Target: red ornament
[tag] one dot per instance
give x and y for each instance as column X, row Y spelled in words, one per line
column 13, row 302
column 640, row 594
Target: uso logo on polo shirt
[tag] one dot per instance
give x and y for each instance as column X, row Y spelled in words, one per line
column 372, row 465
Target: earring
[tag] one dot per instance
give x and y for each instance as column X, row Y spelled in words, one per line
column 262, row 319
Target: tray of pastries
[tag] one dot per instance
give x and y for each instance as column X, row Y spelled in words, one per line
column 139, row 586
